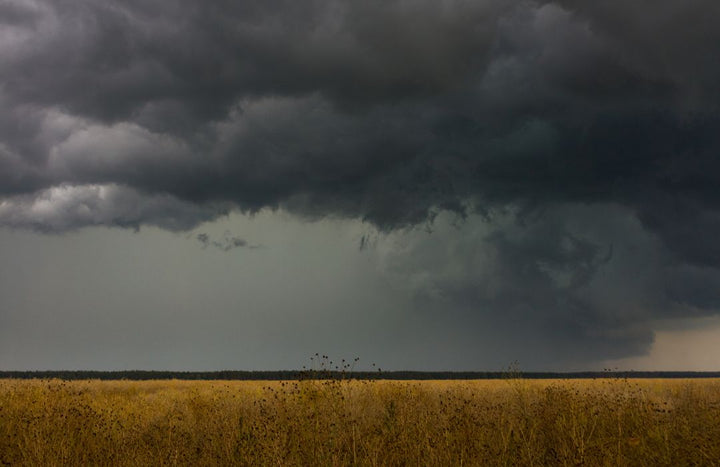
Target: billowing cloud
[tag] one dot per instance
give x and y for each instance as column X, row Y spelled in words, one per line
column 382, row 111
column 69, row 207
column 575, row 284
column 172, row 114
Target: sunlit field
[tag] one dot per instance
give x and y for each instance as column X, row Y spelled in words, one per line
column 349, row 422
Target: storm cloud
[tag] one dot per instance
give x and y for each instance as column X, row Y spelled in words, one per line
column 527, row 117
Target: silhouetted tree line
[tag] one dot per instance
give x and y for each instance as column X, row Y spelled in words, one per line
column 140, row 375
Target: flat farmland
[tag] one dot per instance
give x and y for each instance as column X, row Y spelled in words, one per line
column 359, row 422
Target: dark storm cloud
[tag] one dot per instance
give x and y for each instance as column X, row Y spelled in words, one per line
column 579, row 283
column 425, row 103
column 385, row 111
column 390, row 112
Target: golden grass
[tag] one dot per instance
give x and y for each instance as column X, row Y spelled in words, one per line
column 505, row 422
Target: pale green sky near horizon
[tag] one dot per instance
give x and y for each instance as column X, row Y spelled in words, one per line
column 111, row 299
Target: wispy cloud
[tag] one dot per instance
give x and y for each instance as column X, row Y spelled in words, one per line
column 226, row 243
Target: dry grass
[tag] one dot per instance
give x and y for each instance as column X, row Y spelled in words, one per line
column 507, row 422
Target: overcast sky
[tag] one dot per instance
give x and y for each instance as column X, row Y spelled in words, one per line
column 422, row 184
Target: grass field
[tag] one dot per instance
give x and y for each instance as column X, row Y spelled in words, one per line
column 488, row 422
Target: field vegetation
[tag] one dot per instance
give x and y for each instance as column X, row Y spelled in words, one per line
column 350, row 422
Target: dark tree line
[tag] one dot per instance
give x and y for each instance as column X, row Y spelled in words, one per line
column 140, row 375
